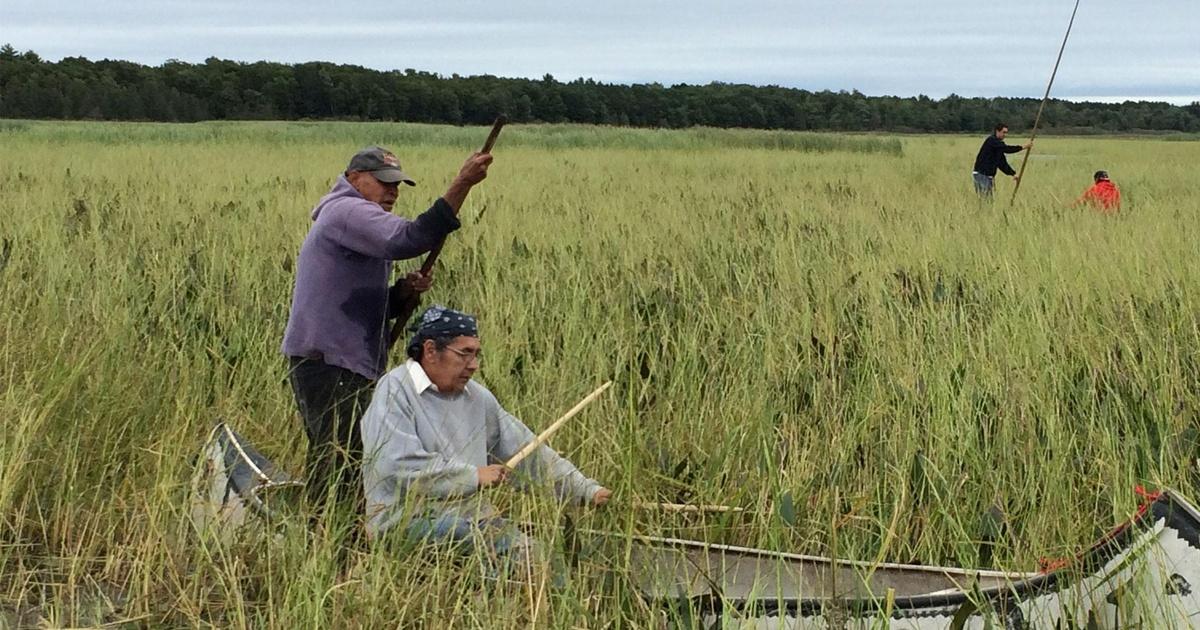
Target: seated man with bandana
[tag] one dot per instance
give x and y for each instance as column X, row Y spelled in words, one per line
column 433, row 439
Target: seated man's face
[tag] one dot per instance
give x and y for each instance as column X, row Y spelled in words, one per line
column 451, row 367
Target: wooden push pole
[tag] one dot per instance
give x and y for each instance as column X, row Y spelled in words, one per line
column 427, row 266
column 1037, row 119
column 545, row 435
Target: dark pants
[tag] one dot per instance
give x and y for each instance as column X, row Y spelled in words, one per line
column 331, row 401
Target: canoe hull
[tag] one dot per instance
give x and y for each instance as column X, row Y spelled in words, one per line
column 1145, row 572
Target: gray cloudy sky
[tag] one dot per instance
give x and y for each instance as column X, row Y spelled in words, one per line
column 1141, row 49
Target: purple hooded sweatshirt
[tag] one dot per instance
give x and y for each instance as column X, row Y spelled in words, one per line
column 340, row 301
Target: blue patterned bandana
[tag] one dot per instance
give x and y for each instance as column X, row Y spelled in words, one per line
column 438, row 321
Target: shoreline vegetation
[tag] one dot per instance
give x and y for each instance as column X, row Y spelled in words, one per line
column 76, row 88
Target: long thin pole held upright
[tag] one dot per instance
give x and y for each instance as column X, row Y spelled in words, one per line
column 1046, row 97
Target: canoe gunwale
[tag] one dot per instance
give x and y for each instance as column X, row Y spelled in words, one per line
column 863, row 564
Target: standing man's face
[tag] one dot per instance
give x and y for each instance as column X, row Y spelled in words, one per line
column 372, row 189
column 1001, row 132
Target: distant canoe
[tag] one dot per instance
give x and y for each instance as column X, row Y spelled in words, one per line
column 1143, row 574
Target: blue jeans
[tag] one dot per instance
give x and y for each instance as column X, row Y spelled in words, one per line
column 495, row 534
column 508, row 550
column 983, row 184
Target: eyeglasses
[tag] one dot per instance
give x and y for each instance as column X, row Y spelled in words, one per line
column 469, row 355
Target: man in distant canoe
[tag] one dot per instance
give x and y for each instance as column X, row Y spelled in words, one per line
column 336, row 342
column 433, row 439
column 1103, row 195
column 991, row 157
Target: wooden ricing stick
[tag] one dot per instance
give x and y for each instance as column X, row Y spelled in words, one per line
column 545, row 435
column 682, row 507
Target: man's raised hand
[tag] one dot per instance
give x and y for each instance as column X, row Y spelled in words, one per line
column 475, row 169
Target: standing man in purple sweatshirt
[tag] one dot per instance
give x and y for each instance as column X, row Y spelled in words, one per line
column 336, row 339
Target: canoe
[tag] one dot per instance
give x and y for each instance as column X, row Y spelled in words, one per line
column 234, row 485
column 1142, row 574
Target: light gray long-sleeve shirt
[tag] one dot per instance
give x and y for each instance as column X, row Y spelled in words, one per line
column 418, row 441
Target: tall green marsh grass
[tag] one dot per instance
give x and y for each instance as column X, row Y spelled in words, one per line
column 832, row 323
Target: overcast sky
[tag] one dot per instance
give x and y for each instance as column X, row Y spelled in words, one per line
column 1140, row 49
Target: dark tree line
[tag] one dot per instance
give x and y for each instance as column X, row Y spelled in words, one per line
column 77, row 88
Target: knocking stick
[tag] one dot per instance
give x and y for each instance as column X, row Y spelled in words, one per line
column 680, row 507
column 545, row 435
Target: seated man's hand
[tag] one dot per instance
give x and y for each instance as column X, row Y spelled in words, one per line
column 492, row 475
column 601, row 497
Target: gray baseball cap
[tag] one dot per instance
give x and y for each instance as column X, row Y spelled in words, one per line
column 381, row 163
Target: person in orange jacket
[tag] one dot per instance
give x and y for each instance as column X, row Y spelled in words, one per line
column 1103, row 195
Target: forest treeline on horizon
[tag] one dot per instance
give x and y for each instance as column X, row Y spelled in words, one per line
column 77, row 88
